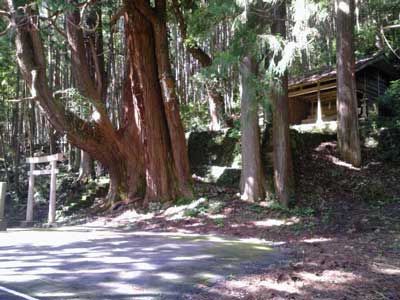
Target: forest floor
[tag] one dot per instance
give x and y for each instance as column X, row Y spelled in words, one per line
column 344, row 233
column 340, row 241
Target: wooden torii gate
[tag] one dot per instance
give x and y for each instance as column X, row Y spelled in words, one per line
column 52, row 159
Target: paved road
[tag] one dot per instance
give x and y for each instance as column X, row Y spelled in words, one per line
column 82, row 263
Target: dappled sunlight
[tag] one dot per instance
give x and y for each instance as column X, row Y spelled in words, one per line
column 124, row 265
column 189, row 258
column 16, row 277
column 386, row 269
column 276, row 222
column 130, row 275
column 329, row 147
column 317, row 240
column 295, row 285
column 206, row 276
column 341, row 163
column 330, row 276
column 169, row 276
column 53, row 295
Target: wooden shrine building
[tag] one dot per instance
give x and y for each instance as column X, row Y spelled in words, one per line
column 312, row 99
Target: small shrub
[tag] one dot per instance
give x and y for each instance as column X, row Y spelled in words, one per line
column 389, row 144
column 389, row 103
column 256, row 208
column 219, row 222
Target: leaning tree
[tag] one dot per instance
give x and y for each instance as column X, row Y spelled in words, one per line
column 146, row 155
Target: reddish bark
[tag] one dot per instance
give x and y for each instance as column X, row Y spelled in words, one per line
column 139, row 156
column 167, row 163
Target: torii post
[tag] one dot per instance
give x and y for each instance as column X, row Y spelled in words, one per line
column 52, row 159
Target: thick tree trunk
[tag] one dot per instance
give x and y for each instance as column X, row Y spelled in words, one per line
column 166, row 160
column 282, row 156
column 158, row 158
column 347, row 115
column 171, row 105
column 86, row 167
column 252, row 178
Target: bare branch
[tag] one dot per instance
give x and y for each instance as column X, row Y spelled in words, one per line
column 58, row 29
column 22, row 99
column 82, row 17
column 391, row 26
column 387, row 42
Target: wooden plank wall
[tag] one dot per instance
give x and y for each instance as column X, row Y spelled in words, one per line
column 298, row 110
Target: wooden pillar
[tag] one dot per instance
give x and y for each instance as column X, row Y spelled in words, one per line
column 3, row 188
column 52, row 202
column 29, row 208
column 319, row 108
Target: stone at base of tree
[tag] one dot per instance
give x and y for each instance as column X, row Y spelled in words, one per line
column 3, row 225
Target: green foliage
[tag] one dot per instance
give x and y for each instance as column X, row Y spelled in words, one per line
column 184, row 201
column 204, row 16
column 256, row 208
column 365, row 41
column 295, row 211
column 219, row 222
column 200, row 209
column 389, row 143
column 389, row 103
column 195, row 116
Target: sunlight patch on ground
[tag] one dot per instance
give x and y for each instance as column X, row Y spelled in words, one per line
column 294, row 283
column 114, row 261
column 195, row 257
column 267, row 283
column 259, row 242
column 23, row 264
column 341, row 163
column 130, row 275
column 51, row 295
column 17, row 277
column 121, row 288
column 208, row 276
column 169, row 276
column 317, row 240
column 217, row 216
column 385, row 269
column 97, row 254
column 129, row 216
column 96, row 271
column 275, row 222
column 330, row 276
column 145, row 266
